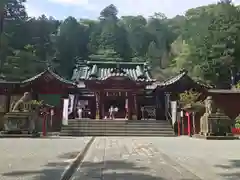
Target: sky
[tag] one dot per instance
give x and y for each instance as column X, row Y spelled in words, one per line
column 60, row 9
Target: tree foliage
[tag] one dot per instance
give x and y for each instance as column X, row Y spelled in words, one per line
column 205, row 41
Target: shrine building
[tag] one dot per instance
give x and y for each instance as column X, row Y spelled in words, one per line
column 96, row 86
column 118, row 84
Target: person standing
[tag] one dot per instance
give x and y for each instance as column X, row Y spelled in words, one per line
column 111, row 112
column 80, row 112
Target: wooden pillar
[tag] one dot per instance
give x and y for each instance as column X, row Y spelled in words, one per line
column 97, row 105
column 135, row 113
column 8, row 102
column 126, row 105
column 193, row 122
column 75, row 103
column 130, row 105
column 101, row 105
column 92, row 106
column 167, row 105
column 157, row 107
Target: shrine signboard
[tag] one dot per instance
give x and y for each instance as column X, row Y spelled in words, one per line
column 115, row 94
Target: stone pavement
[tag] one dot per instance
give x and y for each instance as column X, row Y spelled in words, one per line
column 208, row 159
column 38, row 159
column 119, row 158
column 156, row 158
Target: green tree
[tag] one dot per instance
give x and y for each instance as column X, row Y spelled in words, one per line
column 67, row 44
column 212, row 32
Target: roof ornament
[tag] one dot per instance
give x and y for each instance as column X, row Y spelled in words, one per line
column 146, row 66
column 118, row 69
column 49, row 67
column 183, row 71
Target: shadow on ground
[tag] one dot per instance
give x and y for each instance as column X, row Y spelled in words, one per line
column 51, row 171
column 117, row 170
column 113, row 170
column 234, row 170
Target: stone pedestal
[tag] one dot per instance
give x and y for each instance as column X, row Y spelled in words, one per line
column 19, row 123
column 214, row 124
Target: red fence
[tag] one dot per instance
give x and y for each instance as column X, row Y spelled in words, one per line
column 236, row 130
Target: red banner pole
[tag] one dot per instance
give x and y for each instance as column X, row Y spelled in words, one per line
column 189, row 124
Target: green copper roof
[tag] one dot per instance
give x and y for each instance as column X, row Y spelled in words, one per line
column 99, row 70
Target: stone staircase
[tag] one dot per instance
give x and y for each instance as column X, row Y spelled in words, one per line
column 87, row 127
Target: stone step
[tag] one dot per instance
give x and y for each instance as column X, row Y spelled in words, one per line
column 114, row 122
column 116, row 132
column 89, row 127
column 123, row 134
column 117, row 128
column 119, row 123
column 119, row 131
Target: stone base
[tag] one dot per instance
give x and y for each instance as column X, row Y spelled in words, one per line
column 206, row 134
column 22, row 134
column 199, row 136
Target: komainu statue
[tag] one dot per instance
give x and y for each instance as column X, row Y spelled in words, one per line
column 214, row 122
column 210, row 106
column 18, row 106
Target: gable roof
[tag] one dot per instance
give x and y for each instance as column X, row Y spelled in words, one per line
column 99, row 70
column 182, row 76
column 44, row 74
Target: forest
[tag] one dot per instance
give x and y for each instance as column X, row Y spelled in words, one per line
column 205, row 42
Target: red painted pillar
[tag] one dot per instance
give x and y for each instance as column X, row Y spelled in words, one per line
column 189, row 123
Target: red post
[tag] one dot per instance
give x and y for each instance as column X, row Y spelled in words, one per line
column 179, row 131
column 189, row 124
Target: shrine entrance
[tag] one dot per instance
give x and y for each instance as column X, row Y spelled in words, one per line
column 116, row 100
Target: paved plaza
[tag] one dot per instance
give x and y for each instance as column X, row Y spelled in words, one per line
column 38, row 159
column 121, row 158
column 177, row 158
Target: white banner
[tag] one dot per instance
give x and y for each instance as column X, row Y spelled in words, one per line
column 65, row 112
column 174, row 111
column 70, row 103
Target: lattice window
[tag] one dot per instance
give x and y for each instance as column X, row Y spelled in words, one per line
column 150, row 110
